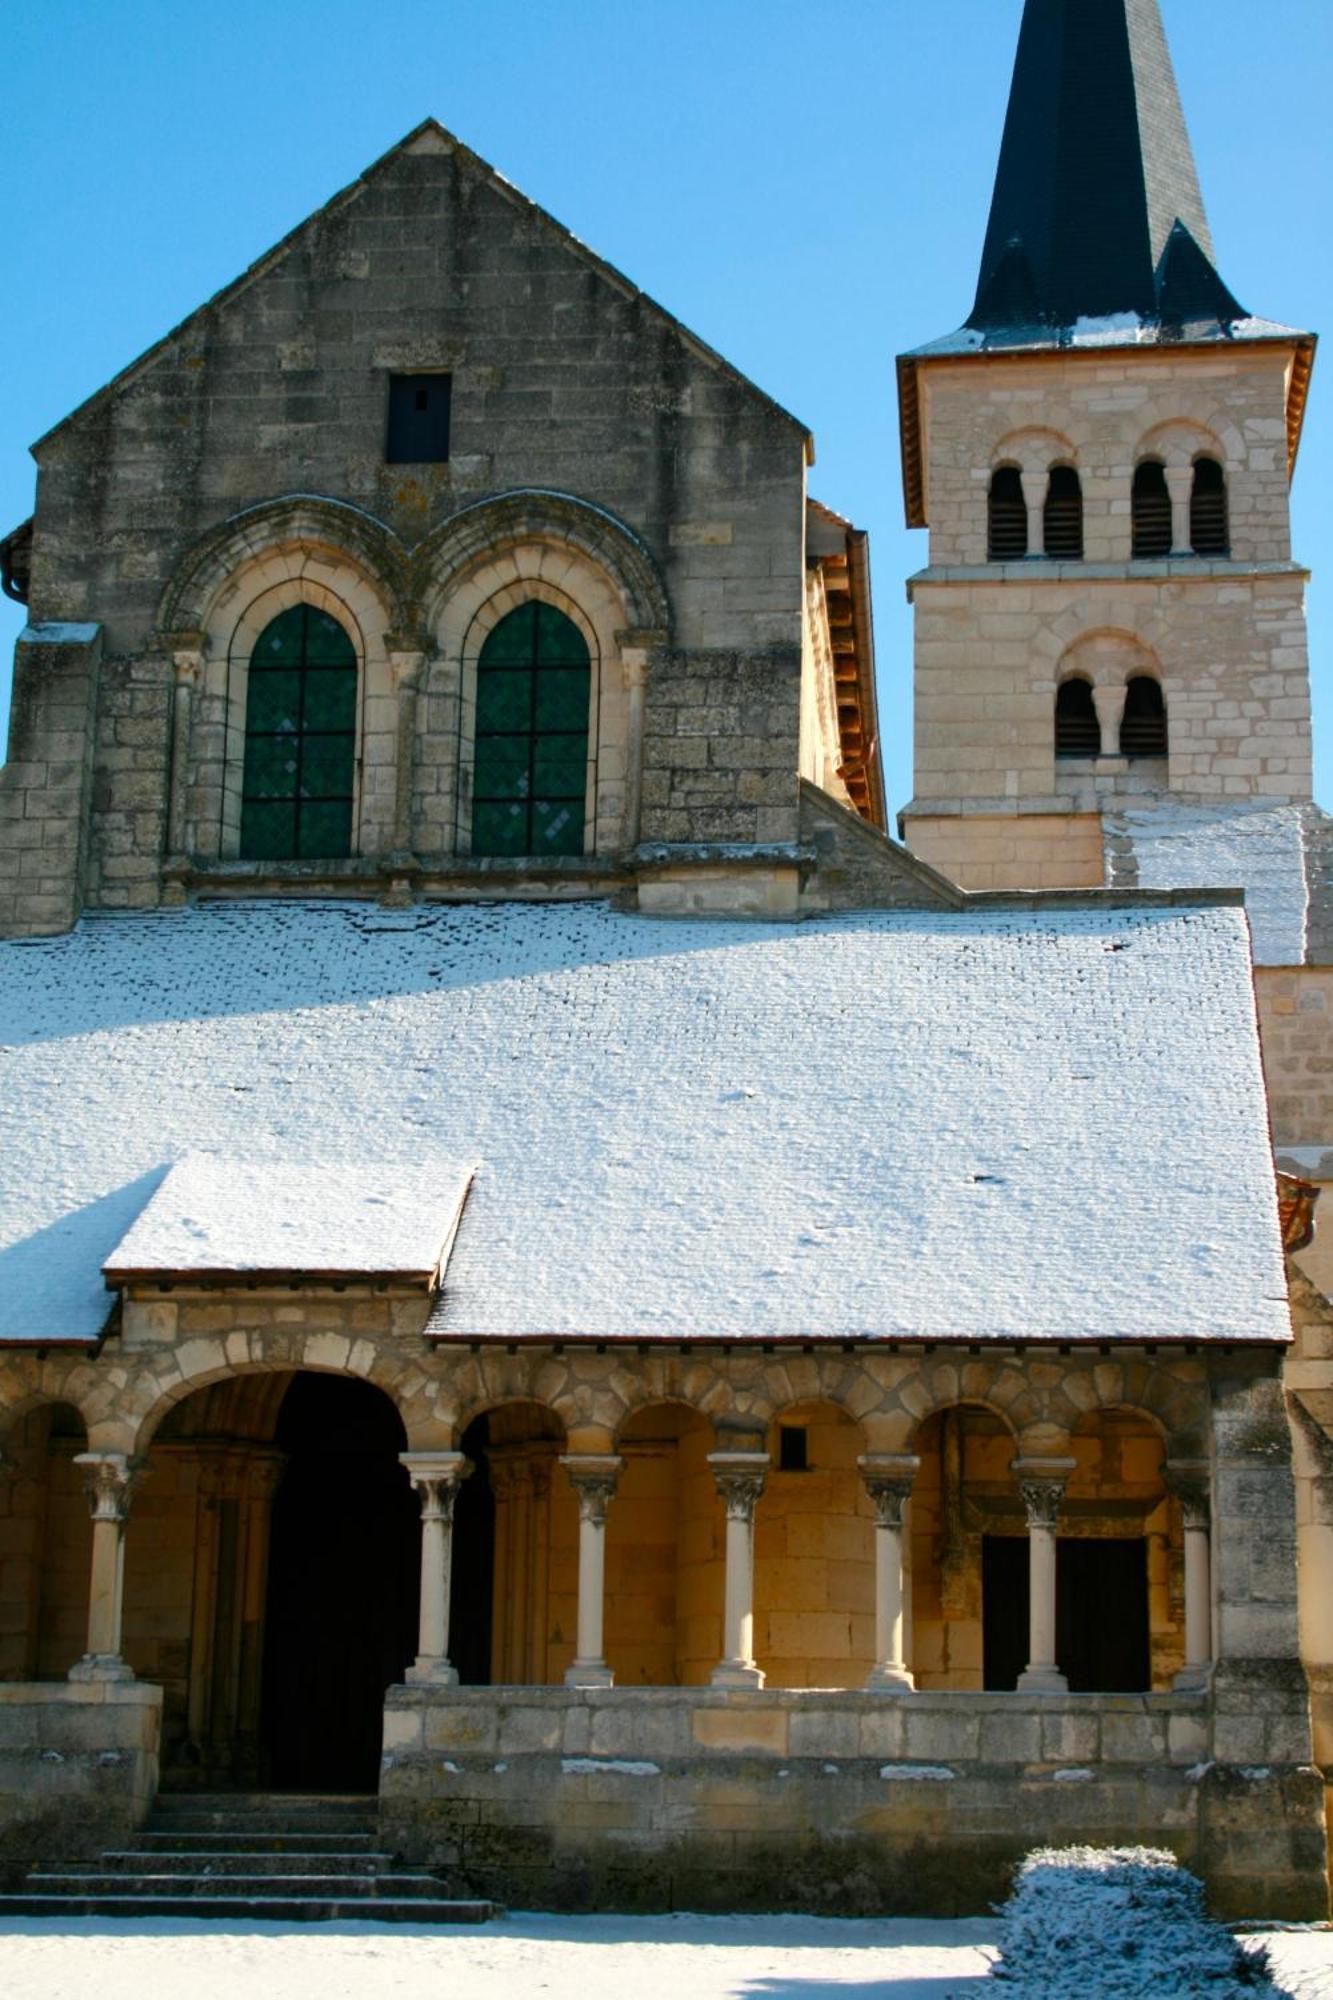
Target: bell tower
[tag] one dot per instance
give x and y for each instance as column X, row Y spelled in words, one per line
column 1110, row 621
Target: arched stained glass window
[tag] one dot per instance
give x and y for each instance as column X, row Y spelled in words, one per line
column 300, row 740
column 530, row 772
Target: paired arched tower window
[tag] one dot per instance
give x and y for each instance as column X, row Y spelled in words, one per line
column 1078, row 731
column 1008, row 526
column 1153, row 518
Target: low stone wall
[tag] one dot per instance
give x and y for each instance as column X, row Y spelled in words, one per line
column 78, row 1767
column 843, row 1803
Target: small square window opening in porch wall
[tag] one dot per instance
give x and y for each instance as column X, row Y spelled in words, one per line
column 418, row 419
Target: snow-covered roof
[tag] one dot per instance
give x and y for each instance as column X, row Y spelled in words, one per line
column 355, row 1219
column 1259, row 848
column 1021, row 1123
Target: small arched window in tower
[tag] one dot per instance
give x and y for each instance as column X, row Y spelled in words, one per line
column 1143, row 725
column 300, row 740
column 1064, row 515
column 530, row 774
column 1210, row 533
column 1008, row 536
column 1077, row 730
column 1152, row 510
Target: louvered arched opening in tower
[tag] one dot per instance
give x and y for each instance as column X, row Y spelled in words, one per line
column 1152, row 510
column 1077, row 730
column 1143, row 727
column 1210, row 531
column 1008, row 525
column 1064, row 515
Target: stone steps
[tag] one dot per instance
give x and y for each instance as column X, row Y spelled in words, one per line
column 285, row 1858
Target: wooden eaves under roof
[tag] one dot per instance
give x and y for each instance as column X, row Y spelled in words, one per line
column 841, row 553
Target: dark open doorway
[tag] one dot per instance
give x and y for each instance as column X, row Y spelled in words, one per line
column 344, row 1574
column 1101, row 1613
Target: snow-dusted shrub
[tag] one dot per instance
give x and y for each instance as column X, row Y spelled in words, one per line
column 1118, row 1923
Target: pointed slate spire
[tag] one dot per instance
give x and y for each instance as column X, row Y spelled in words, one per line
column 1095, row 175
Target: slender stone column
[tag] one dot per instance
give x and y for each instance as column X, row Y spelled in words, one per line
column 436, row 1476
column 740, row 1480
column 1180, row 485
column 1036, row 485
column 406, row 662
column 593, row 1476
column 888, row 1480
column 1109, row 703
column 1189, row 1480
column 634, row 666
column 110, row 1477
column 1042, row 1483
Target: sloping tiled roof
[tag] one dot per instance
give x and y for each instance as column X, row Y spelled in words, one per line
column 1019, row 1123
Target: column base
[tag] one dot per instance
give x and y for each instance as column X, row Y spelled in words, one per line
column 1194, row 1680
column 100, row 1667
column 890, row 1680
column 736, row 1674
column 589, row 1674
column 425, row 1672
column 1042, row 1680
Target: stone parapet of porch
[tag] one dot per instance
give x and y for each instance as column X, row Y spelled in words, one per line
column 838, row 1802
column 78, row 1767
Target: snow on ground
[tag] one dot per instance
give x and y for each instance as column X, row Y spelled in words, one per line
column 556, row 1958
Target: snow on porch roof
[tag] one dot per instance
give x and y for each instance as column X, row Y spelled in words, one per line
column 1018, row 1123
column 264, row 1218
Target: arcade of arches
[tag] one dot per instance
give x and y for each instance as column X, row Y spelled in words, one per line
column 276, row 1573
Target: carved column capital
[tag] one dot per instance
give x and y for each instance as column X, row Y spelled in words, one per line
column 1179, row 481
column 407, row 658
column 109, row 1479
column 1042, row 1483
column 437, row 1476
column 888, row 1480
column 634, row 667
column 188, row 662
column 740, row 1477
column 593, row 1475
column 1190, row 1481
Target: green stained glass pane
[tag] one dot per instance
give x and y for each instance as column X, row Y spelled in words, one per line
column 502, row 768
column 499, row 829
column 559, row 641
column 504, row 700
column 326, row 831
column 560, row 767
column 270, row 767
column 562, row 698
column 282, row 642
column 273, row 701
column 330, row 698
column 511, row 643
column 557, row 828
column 326, row 643
column 268, row 832
column 326, row 767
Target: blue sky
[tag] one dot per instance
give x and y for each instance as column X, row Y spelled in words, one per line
column 805, row 185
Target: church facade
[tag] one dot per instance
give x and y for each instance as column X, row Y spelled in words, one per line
column 551, row 1270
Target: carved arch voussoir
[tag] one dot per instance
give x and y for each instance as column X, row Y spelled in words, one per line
column 534, row 514
column 296, row 520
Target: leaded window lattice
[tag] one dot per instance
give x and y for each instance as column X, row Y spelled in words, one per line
column 530, row 767
column 300, row 740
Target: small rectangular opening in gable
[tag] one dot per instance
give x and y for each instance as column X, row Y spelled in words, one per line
column 418, row 419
